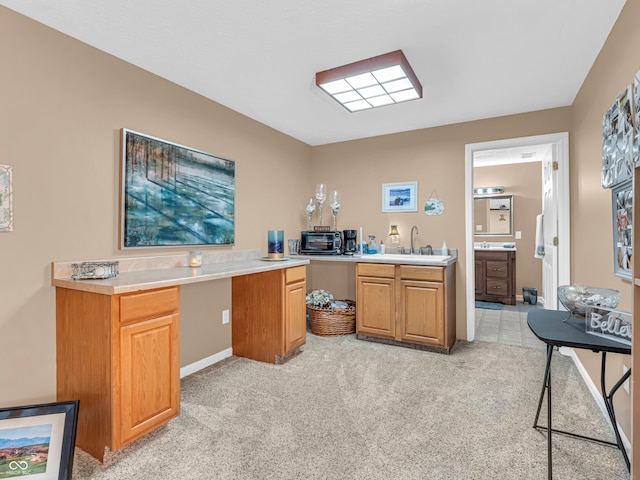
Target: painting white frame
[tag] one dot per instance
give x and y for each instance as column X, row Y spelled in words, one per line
column 400, row 197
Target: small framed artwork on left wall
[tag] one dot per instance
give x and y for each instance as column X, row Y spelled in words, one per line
column 6, row 199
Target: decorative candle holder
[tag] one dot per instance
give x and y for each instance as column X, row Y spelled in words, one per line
column 195, row 258
column 276, row 244
column 310, row 208
column 334, row 203
column 321, row 196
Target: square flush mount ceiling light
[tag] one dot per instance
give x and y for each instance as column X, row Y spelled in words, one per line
column 374, row 82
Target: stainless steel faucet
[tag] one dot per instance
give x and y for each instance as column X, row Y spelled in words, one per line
column 411, row 251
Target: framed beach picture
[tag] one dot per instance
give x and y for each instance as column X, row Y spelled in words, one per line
column 622, row 200
column 400, row 197
column 172, row 195
column 38, row 441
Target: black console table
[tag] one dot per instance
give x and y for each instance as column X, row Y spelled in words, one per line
column 550, row 327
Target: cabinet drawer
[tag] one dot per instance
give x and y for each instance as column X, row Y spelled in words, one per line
column 412, row 272
column 295, row 274
column 151, row 304
column 493, row 255
column 497, row 269
column 496, row 286
column 376, row 270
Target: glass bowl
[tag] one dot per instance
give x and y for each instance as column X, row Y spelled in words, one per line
column 577, row 298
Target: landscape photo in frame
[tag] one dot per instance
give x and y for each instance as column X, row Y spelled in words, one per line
column 174, row 195
column 37, row 441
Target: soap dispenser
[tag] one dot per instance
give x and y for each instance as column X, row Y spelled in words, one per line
column 445, row 249
column 372, row 244
column 381, row 248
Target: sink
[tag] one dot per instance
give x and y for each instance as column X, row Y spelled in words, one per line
column 407, row 258
column 494, row 246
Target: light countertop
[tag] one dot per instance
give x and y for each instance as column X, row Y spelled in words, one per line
column 146, row 273
column 394, row 258
column 495, row 246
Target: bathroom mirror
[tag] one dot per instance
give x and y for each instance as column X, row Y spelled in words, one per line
column 493, row 215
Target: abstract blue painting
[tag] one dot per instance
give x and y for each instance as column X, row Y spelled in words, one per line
column 174, row 195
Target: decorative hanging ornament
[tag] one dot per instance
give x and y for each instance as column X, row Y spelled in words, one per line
column 434, row 205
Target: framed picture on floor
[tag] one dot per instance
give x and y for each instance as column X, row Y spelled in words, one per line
column 622, row 201
column 38, row 441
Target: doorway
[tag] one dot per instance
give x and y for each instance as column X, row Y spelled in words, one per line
column 559, row 148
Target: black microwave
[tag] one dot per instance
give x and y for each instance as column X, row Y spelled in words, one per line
column 321, row 243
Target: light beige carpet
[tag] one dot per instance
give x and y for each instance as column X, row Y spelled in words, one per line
column 349, row 409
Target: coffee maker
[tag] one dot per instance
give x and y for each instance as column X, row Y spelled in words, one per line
column 350, row 243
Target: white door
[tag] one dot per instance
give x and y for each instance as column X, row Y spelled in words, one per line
column 550, row 229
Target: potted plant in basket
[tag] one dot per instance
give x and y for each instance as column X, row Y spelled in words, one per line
column 319, row 299
column 328, row 316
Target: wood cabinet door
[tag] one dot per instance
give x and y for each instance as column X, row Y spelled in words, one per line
column 422, row 312
column 295, row 325
column 149, row 376
column 376, row 311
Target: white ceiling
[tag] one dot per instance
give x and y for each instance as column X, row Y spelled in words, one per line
column 475, row 59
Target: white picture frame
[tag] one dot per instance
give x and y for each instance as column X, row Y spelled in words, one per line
column 400, row 197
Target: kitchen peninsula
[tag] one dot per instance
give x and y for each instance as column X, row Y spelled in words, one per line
column 117, row 339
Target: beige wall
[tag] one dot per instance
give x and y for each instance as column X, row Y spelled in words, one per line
column 202, row 333
column 524, row 182
column 63, row 105
column 591, row 222
column 339, row 278
column 435, row 158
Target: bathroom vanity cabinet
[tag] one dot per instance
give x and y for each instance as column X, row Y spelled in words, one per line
column 406, row 304
column 495, row 273
column 119, row 355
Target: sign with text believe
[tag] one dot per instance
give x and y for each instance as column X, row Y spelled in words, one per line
column 608, row 323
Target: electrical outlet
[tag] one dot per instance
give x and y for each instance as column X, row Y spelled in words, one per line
column 518, row 235
column 225, row 317
column 625, row 385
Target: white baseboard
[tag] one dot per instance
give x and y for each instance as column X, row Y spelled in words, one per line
column 205, row 362
column 598, row 397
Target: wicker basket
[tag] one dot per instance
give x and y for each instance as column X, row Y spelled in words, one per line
column 327, row 322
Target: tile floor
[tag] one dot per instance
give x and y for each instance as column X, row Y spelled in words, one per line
column 507, row 326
